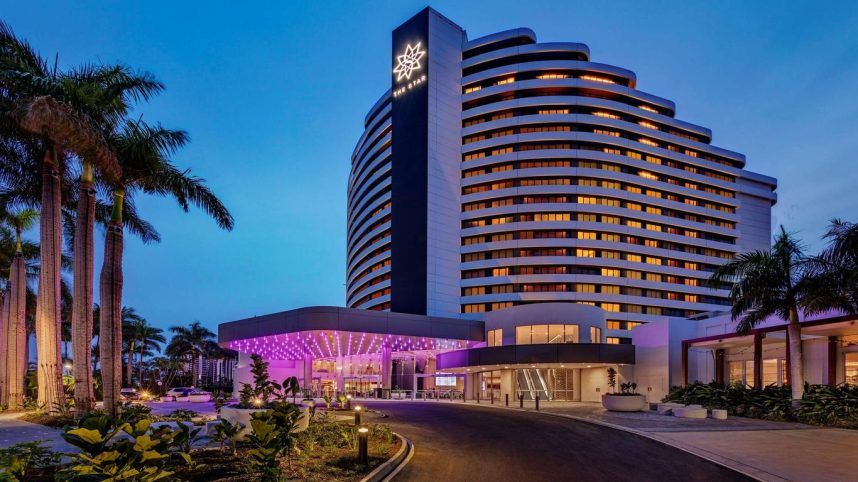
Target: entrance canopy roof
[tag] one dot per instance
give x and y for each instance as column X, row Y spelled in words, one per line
column 330, row 332
column 522, row 356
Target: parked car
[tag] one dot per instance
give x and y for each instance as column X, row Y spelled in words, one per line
column 129, row 394
column 179, row 391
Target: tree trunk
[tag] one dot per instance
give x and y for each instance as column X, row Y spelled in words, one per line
column 110, row 337
column 140, row 367
column 83, row 272
column 48, row 341
column 16, row 344
column 129, row 369
column 796, row 375
column 4, row 337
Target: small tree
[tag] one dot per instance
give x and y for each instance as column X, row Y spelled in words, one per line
column 612, row 379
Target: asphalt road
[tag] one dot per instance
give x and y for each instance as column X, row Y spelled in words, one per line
column 468, row 443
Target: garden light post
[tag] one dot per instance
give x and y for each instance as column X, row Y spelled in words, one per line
column 357, row 415
column 362, row 439
column 348, row 402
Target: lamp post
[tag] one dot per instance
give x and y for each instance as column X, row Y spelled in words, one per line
column 357, row 415
column 362, row 442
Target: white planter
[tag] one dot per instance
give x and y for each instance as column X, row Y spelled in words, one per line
column 236, row 415
column 624, row 403
column 168, row 399
column 183, row 399
column 200, row 397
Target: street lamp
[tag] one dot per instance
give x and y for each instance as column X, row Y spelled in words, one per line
column 362, row 438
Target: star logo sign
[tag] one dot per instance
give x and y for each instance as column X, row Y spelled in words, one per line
column 408, row 62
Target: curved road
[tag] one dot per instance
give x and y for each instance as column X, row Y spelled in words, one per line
column 454, row 442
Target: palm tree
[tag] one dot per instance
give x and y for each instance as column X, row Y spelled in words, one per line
column 191, row 343
column 41, row 102
column 778, row 282
column 144, row 153
column 141, row 338
column 13, row 331
column 836, row 269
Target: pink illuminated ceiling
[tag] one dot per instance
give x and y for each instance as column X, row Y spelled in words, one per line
column 333, row 344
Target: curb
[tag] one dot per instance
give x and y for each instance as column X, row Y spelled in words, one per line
column 735, row 466
column 388, row 470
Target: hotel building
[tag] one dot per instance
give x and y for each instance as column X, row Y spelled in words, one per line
column 502, row 171
column 514, row 211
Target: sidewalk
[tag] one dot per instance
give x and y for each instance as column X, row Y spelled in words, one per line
column 13, row 431
column 765, row 450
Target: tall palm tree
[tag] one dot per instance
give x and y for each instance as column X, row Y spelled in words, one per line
column 107, row 103
column 140, row 337
column 149, row 341
column 778, row 282
column 836, row 269
column 42, row 102
column 144, row 153
column 191, row 343
column 13, row 331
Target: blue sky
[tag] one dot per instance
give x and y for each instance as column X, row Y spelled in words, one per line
column 273, row 95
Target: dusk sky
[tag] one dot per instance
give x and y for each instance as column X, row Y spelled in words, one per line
column 274, row 99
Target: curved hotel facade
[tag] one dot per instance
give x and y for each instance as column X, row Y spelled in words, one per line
column 501, row 171
column 515, row 209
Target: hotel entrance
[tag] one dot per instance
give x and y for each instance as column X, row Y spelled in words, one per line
column 555, row 384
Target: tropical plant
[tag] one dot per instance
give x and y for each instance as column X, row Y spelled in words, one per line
column 182, row 415
column 836, row 270
column 141, row 338
column 18, row 461
column 259, row 394
column 764, row 284
column 45, row 108
column 227, row 432
column 111, row 450
column 191, row 343
column 272, row 438
column 612, row 379
column 13, row 329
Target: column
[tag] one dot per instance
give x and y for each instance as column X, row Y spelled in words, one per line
column 758, row 360
column 832, row 360
column 719, row 365
column 787, row 375
column 684, row 364
column 341, row 386
column 386, row 370
column 308, row 372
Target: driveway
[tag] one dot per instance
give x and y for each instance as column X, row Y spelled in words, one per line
column 458, row 442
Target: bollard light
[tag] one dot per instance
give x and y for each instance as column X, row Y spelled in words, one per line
column 363, row 434
column 521, row 401
column 506, row 396
column 357, row 415
column 537, row 402
column 348, row 402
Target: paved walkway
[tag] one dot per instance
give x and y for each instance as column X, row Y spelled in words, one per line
column 13, row 431
column 766, row 450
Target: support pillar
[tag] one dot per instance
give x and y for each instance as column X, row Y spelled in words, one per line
column 414, row 378
column 386, row 371
column 832, row 360
column 340, row 367
column 684, row 364
column 719, row 366
column 758, row 360
column 308, row 372
column 787, row 361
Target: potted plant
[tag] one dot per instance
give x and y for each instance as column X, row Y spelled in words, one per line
column 261, row 396
column 627, row 400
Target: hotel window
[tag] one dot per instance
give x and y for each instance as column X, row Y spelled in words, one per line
column 585, row 253
column 501, row 306
column 474, row 308
column 851, row 368
column 555, row 334
column 552, row 76
column 593, row 78
column 474, row 88
column 588, row 218
column 522, row 335
column 615, row 273
column 606, row 133
column 595, row 334
column 610, row 290
column 613, row 238
column 495, row 337
column 614, row 325
column 500, row 272
column 611, row 254
column 648, row 142
column 648, row 108
column 586, row 235
column 770, row 372
column 507, row 80
column 585, row 288
column 611, row 307
column 606, row 115
column 553, row 111
column 633, row 258
column 648, row 125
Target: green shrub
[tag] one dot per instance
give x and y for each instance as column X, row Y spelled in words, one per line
column 272, row 438
column 134, row 412
column 181, row 415
column 111, row 450
column 18, row 461
column 821, row 404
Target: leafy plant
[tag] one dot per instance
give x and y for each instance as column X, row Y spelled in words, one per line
column 612, row 379
column 260, row 393
column 18, row 461
column 182, row 415
column 111, row 450
column 227, row 432
column 272, row 437
column 134, row 412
